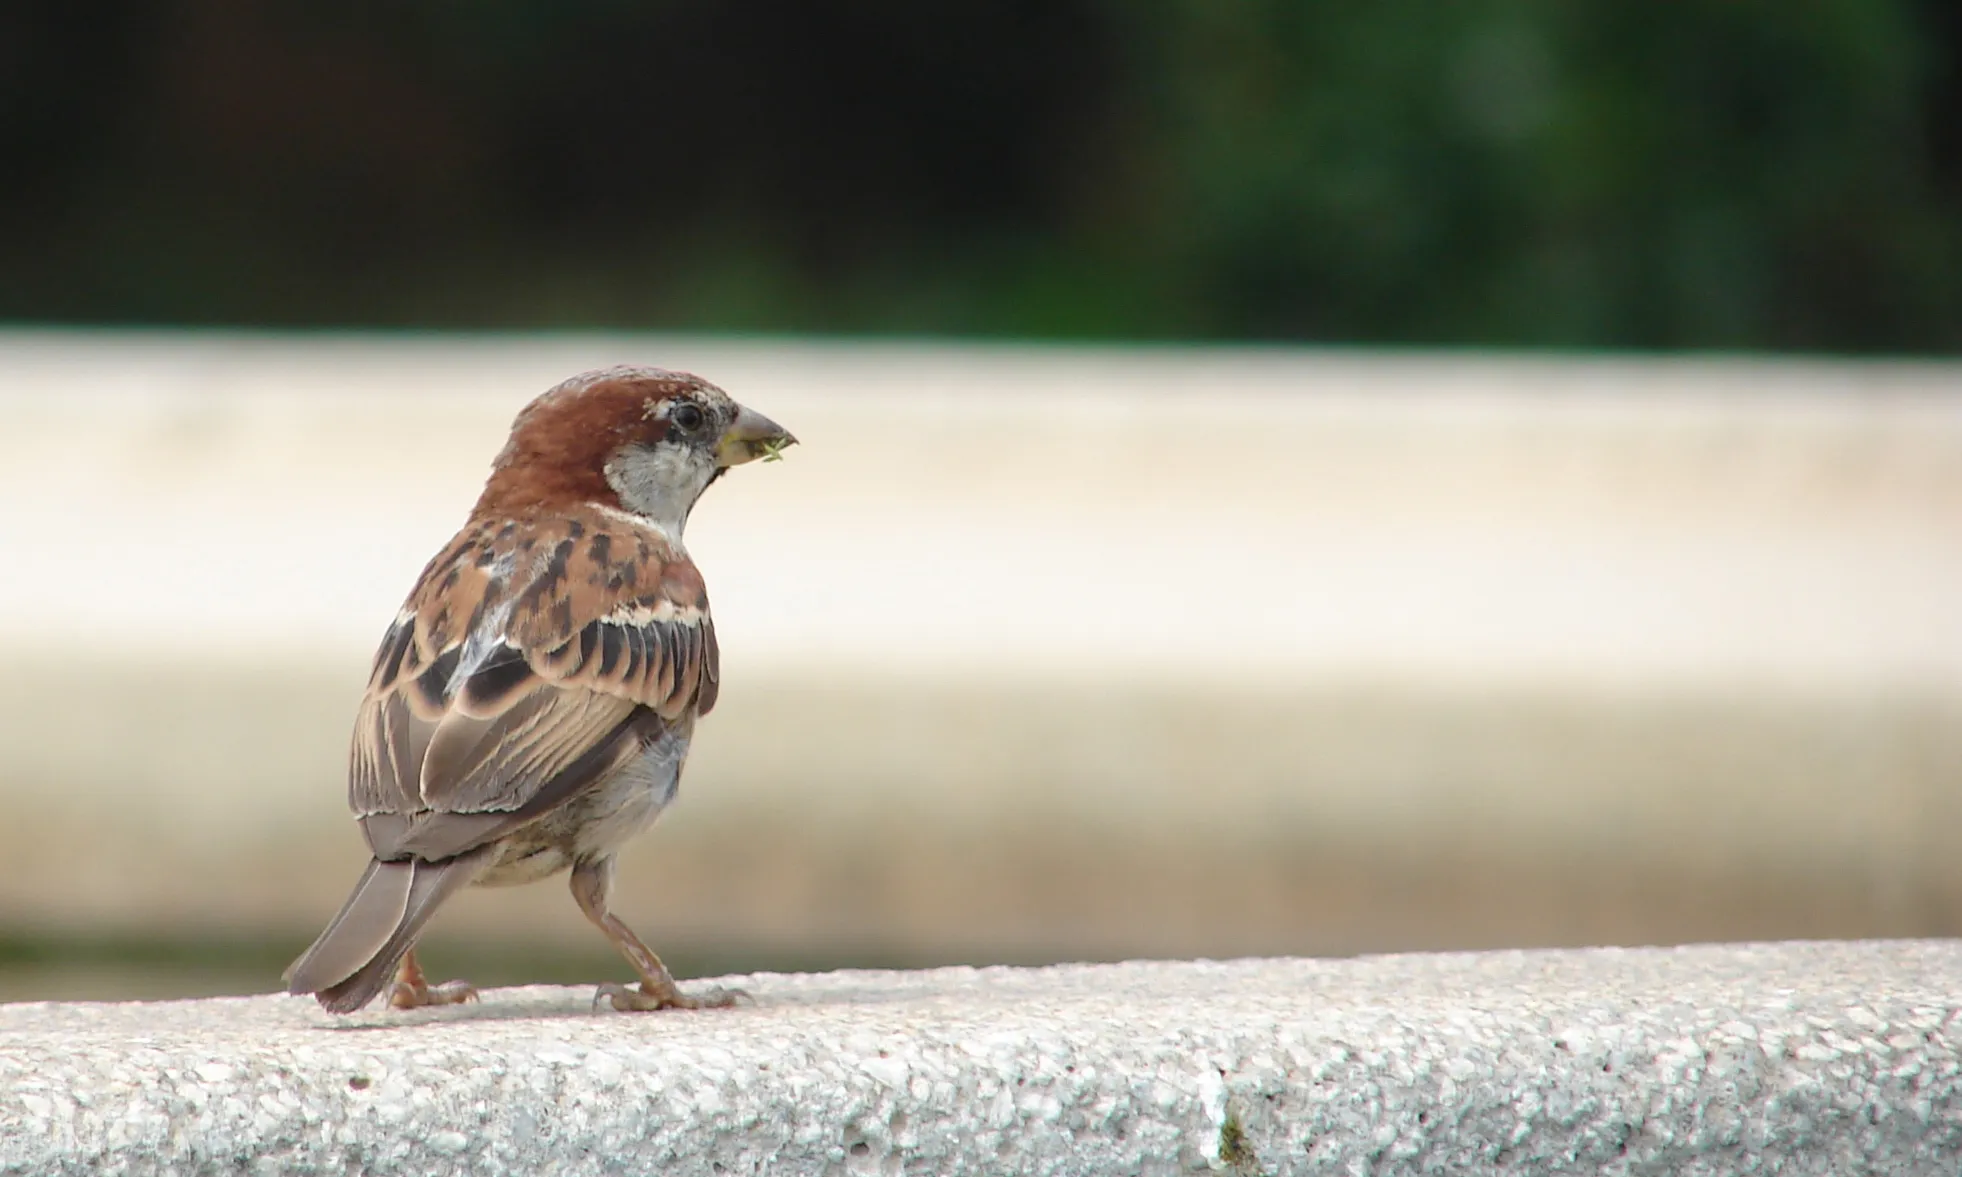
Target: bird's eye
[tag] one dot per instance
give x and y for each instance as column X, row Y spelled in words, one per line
column 687, row 416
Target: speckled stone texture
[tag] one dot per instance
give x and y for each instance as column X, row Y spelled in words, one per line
column 1799, row 1058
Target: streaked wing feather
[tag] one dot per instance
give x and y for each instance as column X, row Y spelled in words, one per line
column 513, row 676
column 711, row 682
column 497, row 764
column 440, row 834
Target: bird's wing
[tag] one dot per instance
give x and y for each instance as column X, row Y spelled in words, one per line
column 532, row 657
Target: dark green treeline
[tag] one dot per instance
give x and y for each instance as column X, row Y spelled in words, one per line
column 1623, row 173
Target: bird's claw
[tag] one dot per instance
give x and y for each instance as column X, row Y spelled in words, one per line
column 403, row 995
column 644, row 998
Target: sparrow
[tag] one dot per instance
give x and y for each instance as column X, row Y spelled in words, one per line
column 531, row 706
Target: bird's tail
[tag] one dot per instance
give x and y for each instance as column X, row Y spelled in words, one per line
column 356, row 956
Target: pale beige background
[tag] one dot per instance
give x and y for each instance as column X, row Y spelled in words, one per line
column 1042, row 653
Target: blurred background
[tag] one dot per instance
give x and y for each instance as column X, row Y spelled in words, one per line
column 1277, row 478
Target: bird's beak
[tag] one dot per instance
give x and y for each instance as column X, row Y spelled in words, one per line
column 750, row 436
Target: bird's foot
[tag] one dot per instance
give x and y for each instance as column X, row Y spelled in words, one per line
column 414, row 995
column 648, row 996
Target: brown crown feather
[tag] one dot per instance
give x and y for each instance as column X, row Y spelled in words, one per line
column 560, row 442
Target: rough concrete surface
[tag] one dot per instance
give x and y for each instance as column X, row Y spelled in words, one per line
column 1791, row 1058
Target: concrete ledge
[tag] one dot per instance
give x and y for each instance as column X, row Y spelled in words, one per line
column 1796, row 1058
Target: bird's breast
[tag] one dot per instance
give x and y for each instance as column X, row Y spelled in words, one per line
column 625, row 803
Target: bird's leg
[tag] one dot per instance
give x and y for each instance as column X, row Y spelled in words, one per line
column 412, row 989
column 591, row 881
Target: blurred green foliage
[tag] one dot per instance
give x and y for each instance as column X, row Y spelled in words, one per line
column 1703, row 173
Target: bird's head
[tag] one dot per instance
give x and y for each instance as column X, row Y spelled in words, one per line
column 636, row 439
